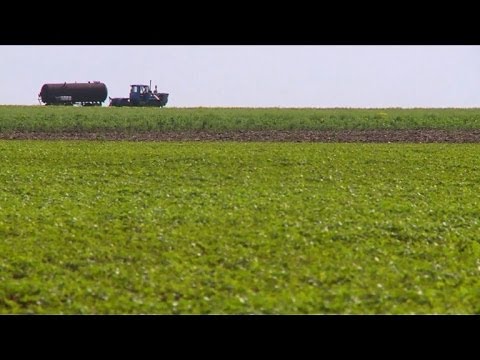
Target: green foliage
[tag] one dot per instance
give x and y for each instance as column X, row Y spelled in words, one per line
column 102, row 227
column 78, row 119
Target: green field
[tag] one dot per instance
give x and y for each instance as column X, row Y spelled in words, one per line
column 103, row 227
column 78, row 119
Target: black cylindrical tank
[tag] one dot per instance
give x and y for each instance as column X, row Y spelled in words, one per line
column 91, row 92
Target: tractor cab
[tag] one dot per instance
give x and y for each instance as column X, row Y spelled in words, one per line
column 139, row 89
column 139, row 94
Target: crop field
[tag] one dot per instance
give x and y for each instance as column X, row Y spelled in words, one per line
column 54, row 119
column 230, row 227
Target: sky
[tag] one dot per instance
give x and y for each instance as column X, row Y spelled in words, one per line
column 255, row 76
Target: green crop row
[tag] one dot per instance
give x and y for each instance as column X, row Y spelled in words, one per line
column 67, row 119
column 101, row 227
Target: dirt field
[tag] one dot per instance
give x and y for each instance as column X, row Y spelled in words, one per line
column 368, row 136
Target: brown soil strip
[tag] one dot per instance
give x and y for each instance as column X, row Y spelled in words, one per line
column 361, row 136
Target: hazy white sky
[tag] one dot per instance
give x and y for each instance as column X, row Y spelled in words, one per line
column 255, row 76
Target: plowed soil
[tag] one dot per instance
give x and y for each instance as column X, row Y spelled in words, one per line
column 361, row 136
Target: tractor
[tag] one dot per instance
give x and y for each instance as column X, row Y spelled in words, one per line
column 142, row 95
